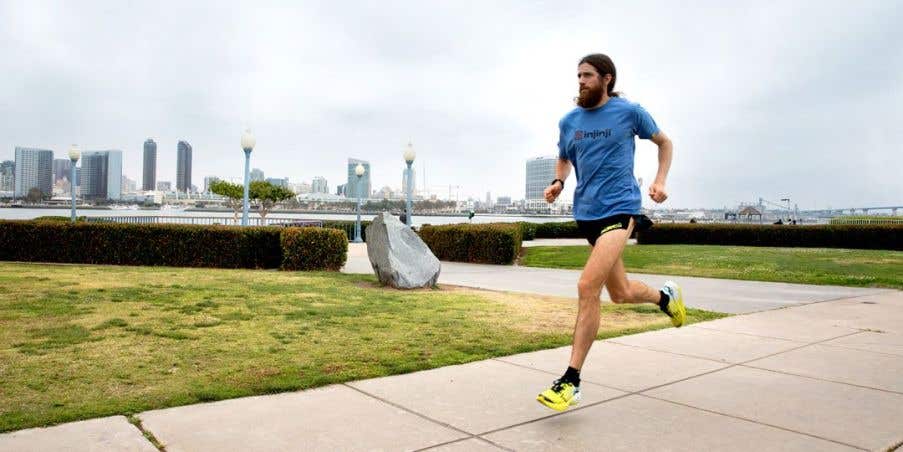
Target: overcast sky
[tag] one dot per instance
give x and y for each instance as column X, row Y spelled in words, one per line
column 761, row 99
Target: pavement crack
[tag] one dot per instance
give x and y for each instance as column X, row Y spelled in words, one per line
column 147, row 434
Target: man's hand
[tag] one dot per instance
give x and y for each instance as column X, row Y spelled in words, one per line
column 657, row 192
column 552, row 191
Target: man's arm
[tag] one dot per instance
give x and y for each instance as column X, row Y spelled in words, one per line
column 562, row 171
column 665, row 151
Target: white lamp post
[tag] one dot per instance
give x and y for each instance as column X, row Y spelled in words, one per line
column 409, row 155
column 359, row 171
column 247, row 144
column 74, row 155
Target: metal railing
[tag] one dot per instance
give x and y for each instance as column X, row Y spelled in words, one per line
column 227, row 221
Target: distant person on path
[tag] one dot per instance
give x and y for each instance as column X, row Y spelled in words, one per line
column 597, row 139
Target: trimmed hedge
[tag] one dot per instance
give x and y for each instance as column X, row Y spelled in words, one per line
column 314, row 249
column 885, row 237
column 559, row 230
column 497, row 243
column 527, row 229
column 58, row 218
column 143, row 244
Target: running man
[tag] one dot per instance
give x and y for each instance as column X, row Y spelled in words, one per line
column 597, row 139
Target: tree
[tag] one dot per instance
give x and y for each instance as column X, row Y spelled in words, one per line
column 266, row 195
column 234, row 194
column 34, row 196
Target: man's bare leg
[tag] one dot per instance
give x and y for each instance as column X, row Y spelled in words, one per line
column 622, row 290
column 606, row 253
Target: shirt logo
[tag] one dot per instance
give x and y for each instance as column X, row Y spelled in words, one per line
column 593, row 134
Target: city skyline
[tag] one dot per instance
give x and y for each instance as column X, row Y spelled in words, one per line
column 478, row 94
column 441, row 193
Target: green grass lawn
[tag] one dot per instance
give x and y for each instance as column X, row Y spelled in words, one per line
column 860, row 268
column 80, row 342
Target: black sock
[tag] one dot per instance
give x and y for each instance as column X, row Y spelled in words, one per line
column 571, row 376
column 663, row 299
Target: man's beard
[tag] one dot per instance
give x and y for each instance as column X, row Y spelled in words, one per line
column 589, row 97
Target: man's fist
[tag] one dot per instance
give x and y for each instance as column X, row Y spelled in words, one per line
column 657, row 192
column 552, row 191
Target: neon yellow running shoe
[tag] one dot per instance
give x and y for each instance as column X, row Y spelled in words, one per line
column 560, row 396
column 676, row 309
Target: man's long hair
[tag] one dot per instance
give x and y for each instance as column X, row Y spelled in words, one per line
column 603, row 65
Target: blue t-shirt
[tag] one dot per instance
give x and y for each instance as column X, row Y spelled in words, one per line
column 600, row 144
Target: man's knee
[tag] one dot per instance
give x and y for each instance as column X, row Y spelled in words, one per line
column 588, row 288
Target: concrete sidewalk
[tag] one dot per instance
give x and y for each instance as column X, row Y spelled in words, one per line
column 822, row 376
column 720, row 295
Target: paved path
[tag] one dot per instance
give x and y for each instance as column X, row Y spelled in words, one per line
column 721, row 295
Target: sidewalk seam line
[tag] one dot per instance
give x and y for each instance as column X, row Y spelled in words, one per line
column 677, row 354
column 858, row 349
column 563, row 413
column 858, row 330
column 422, row 416
column 801, row 345
column 554, row 374
column 754, row 335
column 749, row 420
column 783, row 372
column 466, row 439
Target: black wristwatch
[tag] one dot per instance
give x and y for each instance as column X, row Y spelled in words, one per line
column 558, row 180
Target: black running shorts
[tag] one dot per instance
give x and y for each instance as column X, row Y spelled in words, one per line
column 593, row 229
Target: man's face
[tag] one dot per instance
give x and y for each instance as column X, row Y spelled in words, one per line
column 591, row 85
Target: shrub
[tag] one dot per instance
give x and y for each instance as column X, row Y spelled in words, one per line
column 887, row 237
column 155, row 244
column 314, row 249
column 477, row 243
column 58, row 218
column 528, row 230
column 558, row 230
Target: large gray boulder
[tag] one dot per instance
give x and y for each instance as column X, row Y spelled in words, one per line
column 398, row 255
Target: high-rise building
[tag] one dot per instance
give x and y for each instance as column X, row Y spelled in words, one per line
column 503, row 201
column 352, row 189
column 540, row 172
column 149, row 174
column 61, row 169
column 320, row 185
column 34, row 169
column 300, row 189
column 278, row 181
column 340, row 190
column 101, row 175
column 7, row 176
column 129, row 186
column 208, row 181
column 164, row 185
column 183, row 167
column 256, row 174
